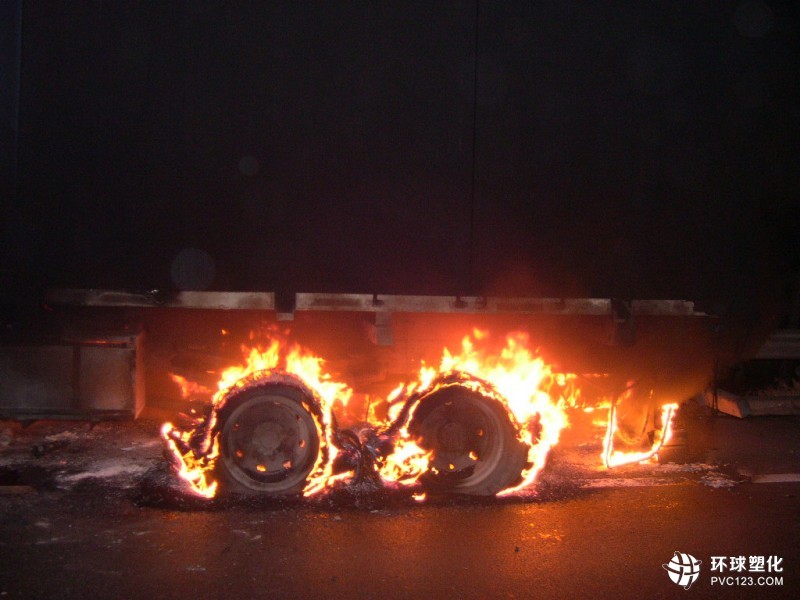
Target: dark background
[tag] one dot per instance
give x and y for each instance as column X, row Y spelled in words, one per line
column 634, row 150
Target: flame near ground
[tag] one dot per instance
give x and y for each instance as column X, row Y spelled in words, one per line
column 536, row 398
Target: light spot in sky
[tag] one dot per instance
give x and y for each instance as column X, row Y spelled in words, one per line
column 249, row 165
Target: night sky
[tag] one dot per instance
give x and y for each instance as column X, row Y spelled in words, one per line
column 626, row 149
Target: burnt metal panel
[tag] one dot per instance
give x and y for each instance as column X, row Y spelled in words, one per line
column 36, row 377
column 368, row 303
column 156, row 298
column 94, row 377
column 480, row 304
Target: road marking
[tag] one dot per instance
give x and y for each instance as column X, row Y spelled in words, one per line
column 777, row 478
column 621, row 482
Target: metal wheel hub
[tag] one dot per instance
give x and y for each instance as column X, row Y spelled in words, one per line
column 455, row 431
column 474, row 444
column 269, row 443
column 452, row 437
column 269, row 437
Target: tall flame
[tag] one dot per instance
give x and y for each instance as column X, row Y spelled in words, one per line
column 535, row 396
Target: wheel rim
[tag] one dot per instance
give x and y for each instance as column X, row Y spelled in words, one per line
column 464, row 437
column 269, row 444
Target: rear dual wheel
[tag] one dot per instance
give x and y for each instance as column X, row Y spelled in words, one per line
column 269, row 442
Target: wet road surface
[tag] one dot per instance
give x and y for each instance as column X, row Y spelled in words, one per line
column 108, row 528
column 596, row 543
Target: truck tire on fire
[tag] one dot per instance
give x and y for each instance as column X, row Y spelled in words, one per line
column 269, row 442
column 473, row 442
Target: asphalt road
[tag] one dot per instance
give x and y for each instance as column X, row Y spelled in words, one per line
column 607, row 543
column 585, row 533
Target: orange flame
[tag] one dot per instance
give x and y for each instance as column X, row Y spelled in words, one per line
column 536, row 397
column 405, row 464
column 408, row 461
column 189, row 388
column 190, row 467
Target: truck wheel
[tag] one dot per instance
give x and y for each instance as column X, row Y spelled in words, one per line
column 636, row 414
column 268, row 442
column 635, row 425
column 473, row 443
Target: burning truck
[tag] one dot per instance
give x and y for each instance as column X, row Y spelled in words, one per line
column 480, row 420
column 429, row 394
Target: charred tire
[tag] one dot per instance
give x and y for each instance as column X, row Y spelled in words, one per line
column 269, row 442
column 474, row 444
